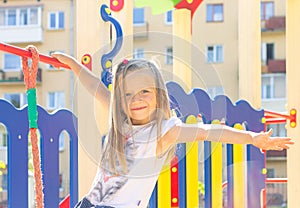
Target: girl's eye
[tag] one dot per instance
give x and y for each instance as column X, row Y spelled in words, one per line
column 127, row 94
column 144, row 91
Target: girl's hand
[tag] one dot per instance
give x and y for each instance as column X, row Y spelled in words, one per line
column 63, row 58
column 266, row 142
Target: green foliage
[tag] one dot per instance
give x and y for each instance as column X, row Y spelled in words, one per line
column 157, row 6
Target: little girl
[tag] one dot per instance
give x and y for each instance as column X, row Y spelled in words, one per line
column 143, row 134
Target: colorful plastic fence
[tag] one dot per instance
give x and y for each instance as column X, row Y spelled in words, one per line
column 245, row 168
column 50, row 127
column 177, row 185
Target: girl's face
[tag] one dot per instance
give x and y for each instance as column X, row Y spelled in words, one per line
column 140, row 95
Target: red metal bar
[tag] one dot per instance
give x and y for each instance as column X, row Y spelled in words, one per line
column 275, row 114
column 274, row 117
column 275, row 120
column 276, row 180
column 269, row 116
column 24, row 53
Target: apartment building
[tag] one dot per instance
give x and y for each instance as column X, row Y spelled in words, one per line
column 273, row 55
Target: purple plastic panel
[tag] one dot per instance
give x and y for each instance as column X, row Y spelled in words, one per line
column 17, row 131
column 50, row 127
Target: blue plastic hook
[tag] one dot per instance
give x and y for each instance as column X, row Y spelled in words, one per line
column 106, row 59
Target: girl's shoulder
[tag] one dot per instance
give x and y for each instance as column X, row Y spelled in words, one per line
column 169, row 123
column 174, row 120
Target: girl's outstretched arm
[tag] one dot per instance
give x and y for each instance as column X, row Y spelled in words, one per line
column 224, row 134
column 92, row 83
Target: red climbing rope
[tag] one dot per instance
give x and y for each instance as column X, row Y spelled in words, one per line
column 30, row 82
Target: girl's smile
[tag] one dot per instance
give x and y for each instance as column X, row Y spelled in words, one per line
column 139, row 108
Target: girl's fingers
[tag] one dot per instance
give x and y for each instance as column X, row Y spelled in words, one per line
column 282, row 143
column 284, row 146
column 282, row 139
column 54, row 55
column 279, row 148
column 270, row 132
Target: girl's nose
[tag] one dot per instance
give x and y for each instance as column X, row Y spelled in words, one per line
column 136, row 97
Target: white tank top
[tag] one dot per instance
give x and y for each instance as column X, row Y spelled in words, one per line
column 134, row 189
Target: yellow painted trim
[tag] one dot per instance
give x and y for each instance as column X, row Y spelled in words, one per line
column 216, row 181
column 192, row 174
column 239, row 177
column 164, row 189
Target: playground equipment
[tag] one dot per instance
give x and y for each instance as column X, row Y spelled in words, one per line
column 50, row 127
column 30, row 74
column 183, row 190
column 186, row 105
column 24, row 53
column 244, row 163
column 196, row 103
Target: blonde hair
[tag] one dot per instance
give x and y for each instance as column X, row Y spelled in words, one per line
column 114, row 151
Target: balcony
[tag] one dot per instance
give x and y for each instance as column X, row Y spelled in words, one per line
column 21, row 24
column 276, row 66
column 33, row 34
column 275, row 23
column 14, row 77
column 276, row 155
column 141, row 31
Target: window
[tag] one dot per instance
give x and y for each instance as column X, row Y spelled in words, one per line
column 17, row 99
column 61, row 141
column 138, row 16
column 138, row 53
column 267, row 52
column 56, row 100
column 279, row 130
column 49, row 66
column 12, row 62
column 2, row 17
column 3, row 138
column 24, row 16
column 56, row 20
column 214, row 54
column 270, row 173
column 266, row 10
column 273, row 86
column 12, row 17
column 61, row 181
column 169, row 17
column 4, row 178
column 214, row 12
column 169, row 55
column 33, row 16
column 28, row 16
